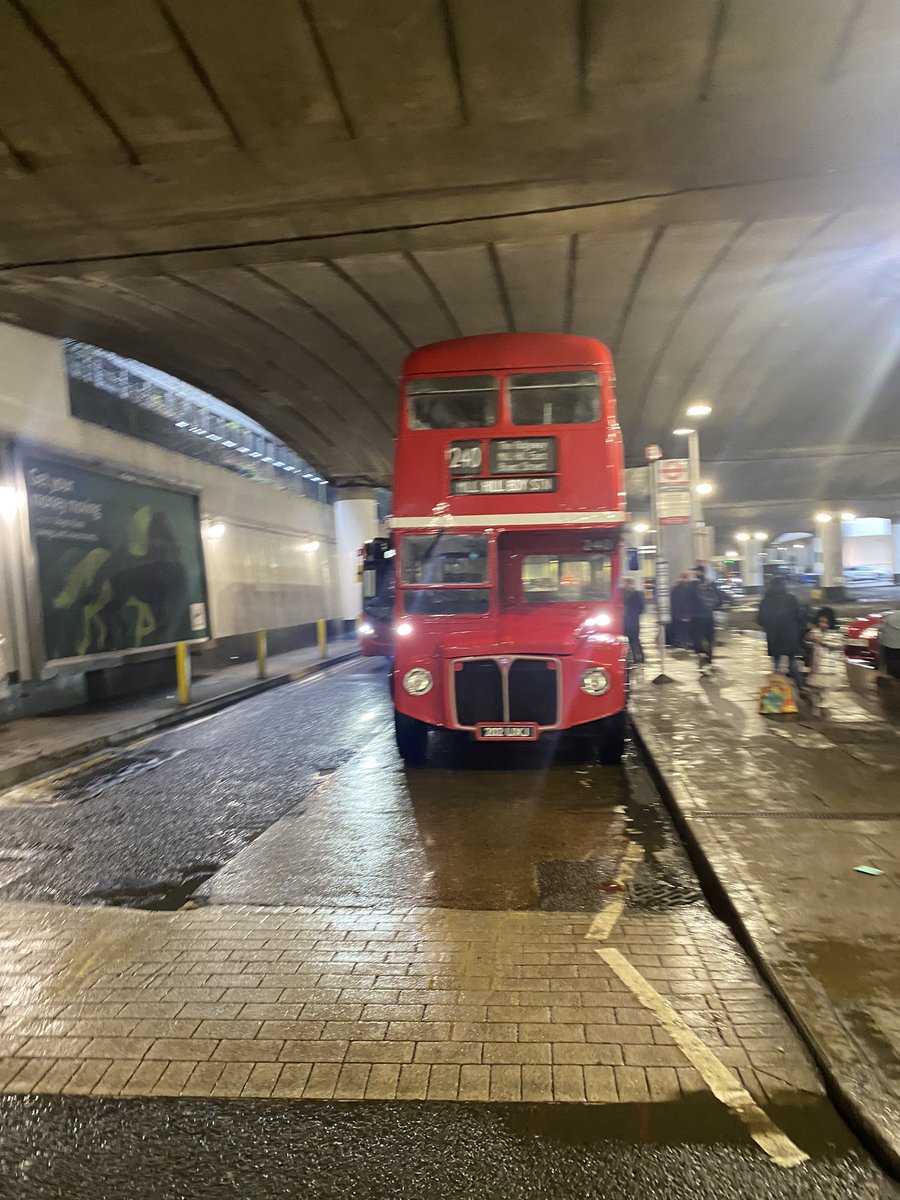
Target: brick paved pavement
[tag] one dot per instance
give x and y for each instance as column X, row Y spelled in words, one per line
column 375, row 1004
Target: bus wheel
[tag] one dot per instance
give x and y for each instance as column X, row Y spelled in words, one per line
column 610, row 739
column 412, row 739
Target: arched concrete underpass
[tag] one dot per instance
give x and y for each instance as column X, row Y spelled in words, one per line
column 278, row 209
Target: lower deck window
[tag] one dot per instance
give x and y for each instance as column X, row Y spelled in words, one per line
column 565, row 578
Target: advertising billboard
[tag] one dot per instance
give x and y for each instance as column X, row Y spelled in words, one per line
column 119, row 562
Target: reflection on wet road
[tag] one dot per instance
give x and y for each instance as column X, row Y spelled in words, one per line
column 372, row 934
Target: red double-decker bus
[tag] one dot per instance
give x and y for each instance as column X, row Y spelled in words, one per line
column 376, row 573
column 508, row 505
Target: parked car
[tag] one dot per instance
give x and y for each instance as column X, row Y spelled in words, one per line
column 868, row 574
column 861, row 641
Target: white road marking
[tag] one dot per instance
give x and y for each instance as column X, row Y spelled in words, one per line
column 605, row 921
column 720, row 1080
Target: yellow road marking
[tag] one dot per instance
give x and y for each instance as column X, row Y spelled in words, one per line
column 605, row 921
column 720, row 1080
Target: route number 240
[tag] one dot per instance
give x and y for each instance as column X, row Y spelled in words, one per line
column 465, row 458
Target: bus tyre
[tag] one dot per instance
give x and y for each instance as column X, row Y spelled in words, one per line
column 610, row 739
column 412, row 739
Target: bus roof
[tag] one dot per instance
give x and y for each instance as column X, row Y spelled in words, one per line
column 506, row 351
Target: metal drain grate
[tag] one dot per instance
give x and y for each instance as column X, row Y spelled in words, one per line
column 661, row 882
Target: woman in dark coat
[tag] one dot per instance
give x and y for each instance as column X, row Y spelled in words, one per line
column 782, row 619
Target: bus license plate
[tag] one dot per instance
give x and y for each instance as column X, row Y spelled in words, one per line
column 506, row 733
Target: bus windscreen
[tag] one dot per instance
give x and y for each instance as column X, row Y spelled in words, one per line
column 461, row 402
column 554, row 398
column 436, row 560
column 566, row 578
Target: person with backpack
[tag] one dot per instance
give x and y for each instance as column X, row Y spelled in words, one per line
column 705, row 602
column 782, row 618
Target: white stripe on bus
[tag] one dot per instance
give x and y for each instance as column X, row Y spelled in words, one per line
column 447, row 521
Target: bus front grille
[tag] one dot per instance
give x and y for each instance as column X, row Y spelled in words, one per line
column 533, row 690
column 529, row 693
column 479, row 691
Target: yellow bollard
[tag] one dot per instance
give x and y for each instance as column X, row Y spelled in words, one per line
column 322, row 637
column 183, row 672
column 262, row 652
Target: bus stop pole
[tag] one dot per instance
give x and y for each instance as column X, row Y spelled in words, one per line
column 661, row 590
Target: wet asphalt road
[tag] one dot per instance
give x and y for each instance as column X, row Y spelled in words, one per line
column 482, row 827
column 247, row 1150
column 543, row 831
column 210, row 788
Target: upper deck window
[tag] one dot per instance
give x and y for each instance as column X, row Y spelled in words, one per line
column 554, row 398
column 456, row 402
column 439, row 559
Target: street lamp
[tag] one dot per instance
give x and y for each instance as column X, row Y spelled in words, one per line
column 823, row 517
column 704, row 489
column 848, row 516
column 742, row 537
column 761, row 536
column 695, row 410
column 641, row 527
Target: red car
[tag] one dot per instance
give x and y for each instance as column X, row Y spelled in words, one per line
column 861, row 642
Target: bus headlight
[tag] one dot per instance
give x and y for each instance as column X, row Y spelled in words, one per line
column 417, row 681
column 595, row 681
column 365, row 629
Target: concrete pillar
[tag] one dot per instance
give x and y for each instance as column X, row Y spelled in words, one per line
column 832, row 558
column 355, row 522
column 676, row 546
column 7, row 616
column 751, row 566
column 895, row 541
column 707, row 542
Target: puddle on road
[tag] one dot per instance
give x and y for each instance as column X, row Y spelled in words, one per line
column 164, row 894
column 698, row 1118
column 842, row 966
column 85, row 781
column 664, row 878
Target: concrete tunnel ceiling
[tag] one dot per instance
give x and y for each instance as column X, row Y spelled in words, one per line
column 276, row 201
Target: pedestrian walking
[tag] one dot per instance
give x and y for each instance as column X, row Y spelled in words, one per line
column 781, row 617
column 633, row 608
column 705, row 601
column 821, row 640
column 680, row 602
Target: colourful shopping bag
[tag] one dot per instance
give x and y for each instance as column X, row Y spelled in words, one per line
column 776, row 696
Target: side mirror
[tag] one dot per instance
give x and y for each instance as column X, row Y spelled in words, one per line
column 633, row 559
